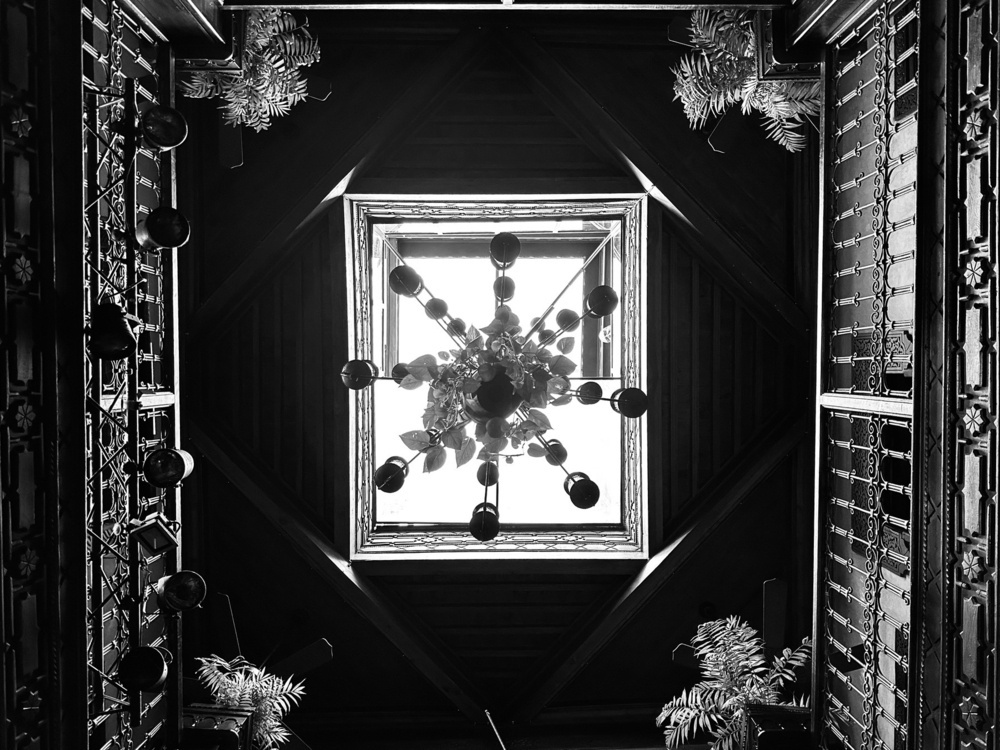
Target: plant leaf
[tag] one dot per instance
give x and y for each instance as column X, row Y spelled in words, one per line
column 417, row 440
column 566, row 345
column 560, row 365
column 536, row 450
column 538, row 417
column 434, row 458
column 453, row 438
column 409, row 383
column 464, row 454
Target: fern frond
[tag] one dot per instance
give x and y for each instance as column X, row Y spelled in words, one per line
column 276, row 46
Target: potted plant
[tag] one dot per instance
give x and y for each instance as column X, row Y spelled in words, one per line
column 736, row 676
column 276, row 44
column 721, row 70
column 238, row 683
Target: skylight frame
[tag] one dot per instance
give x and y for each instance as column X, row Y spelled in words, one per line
column 627, row 540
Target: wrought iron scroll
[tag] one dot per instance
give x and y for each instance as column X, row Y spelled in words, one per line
column 865, row 595
column 865, row 649
column 131, row 403
column 368, row 541
column 872, row 199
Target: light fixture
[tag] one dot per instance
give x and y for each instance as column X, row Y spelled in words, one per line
column 111, row 332
column 155, row 533
column 180, row 591
column 145, row 668
column 167, row 467
column 499, row 380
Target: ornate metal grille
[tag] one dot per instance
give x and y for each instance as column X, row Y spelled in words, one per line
column 28, row 672
column 873, row 173
column 131, row 402
column 863, row 627
column 866, row 570
column 971, row 270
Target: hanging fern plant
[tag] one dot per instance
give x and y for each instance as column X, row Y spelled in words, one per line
column 722, row 70
column 735, row 674
column 240, row 683
column 275, row 46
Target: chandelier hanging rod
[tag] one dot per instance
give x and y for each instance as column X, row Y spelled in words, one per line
column 541, row 320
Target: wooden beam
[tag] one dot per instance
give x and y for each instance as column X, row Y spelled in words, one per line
column 280, row 510
column 715, row 505
column 450, row 66
column 722, row 250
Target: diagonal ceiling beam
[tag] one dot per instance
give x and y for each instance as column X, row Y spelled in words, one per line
column 733, row 486
column 280, row 510
column 323, row 188
column 770, row 304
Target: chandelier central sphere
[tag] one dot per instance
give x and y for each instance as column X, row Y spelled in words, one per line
column 497, row 381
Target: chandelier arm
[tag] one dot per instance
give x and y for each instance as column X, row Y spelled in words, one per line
column 541, row 320
column 562, row 329
column 499, row 302
column 442, row 326
column 545, row 443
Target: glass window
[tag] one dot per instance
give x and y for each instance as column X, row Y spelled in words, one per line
column 562, row 258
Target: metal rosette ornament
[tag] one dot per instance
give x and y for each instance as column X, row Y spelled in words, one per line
column 489, row 394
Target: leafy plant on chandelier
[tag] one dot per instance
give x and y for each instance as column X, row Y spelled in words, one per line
column 721, row 70
column 499, row 379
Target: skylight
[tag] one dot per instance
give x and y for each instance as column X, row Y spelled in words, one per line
column 568, row 248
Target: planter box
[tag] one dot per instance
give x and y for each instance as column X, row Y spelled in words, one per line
column 777, row 728
column 206, row 725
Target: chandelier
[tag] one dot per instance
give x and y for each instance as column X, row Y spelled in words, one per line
column 496, row 382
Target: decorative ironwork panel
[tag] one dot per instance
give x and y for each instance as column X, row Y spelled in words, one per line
column 971, row 263
column 865, row 581
column 28, row 671
column 131, row 401
column 872, row 206
column 865, row 665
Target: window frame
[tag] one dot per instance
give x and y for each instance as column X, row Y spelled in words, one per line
column 371, row 541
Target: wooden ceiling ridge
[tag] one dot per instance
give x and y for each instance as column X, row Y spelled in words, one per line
column 279, row 508
column 779, row 313
column 451, row 66
column 715, row 505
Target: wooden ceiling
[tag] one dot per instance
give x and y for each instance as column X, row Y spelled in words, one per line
column 451, row 103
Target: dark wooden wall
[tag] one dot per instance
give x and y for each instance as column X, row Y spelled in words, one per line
column 264, row 346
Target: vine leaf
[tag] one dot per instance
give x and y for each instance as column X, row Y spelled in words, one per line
column 435, row 458
column 464, row 454
column 417, row 440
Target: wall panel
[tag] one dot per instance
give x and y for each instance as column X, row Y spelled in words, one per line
column 725, row 379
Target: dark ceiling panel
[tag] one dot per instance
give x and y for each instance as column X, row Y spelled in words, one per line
column 494, row 134
column 760, row 540
column 500, row 627
column 746, row 188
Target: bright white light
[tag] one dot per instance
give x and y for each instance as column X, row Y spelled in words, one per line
column 531, row 490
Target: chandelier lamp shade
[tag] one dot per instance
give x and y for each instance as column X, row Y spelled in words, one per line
column 490, row 394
